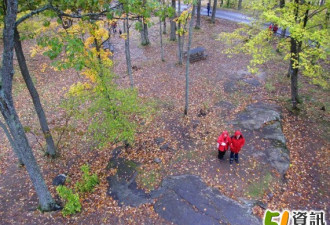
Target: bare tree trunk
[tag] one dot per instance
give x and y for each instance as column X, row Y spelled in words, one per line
column 180, row 45
column 161, row 39
column 214, row 11
column 180, row 38
column 144, row 33
column 127, row 51
column 9, row 113
column 12, row 143
column 228, row 3
column 188, row 61
column 173, row 25
column 164, row 27
column 239, row 4
column 282, row 5
column 198, row 20
column 295, row 52
column 51, row 150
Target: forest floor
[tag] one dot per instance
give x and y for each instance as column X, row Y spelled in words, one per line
column 191, row 140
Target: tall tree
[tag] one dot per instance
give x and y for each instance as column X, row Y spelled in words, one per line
column 51, row 150
column 8, row 110
column 173, row 24
column 198, row 19
column 161, row 40
column 144, row 33
column 165, row 16
column 145, row 11
column 180, row 31
column 127, row 50
column 188, row 60
column 214, row 10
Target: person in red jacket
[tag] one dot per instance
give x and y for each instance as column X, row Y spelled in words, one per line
column 237, row 142
column 223, row 144
column 275, row 28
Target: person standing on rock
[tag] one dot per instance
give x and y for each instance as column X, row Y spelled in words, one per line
column 236, row 144
column 223, row 144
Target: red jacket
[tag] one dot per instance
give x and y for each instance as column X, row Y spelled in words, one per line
column 237, row 144
column 224, row 141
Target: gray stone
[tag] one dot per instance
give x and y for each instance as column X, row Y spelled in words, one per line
column 274, row 132
column 195, row 123
column 230, row 86
column 164, row 147
column 270, row 195
column 59, row 180
column 263, row 120
column 225, row 105
column 187, row 200
column 117, row 151
column 262, row 205
column 256, row 115
column 241, row 74
column 122, row 186
column 248, row 203
column 261, row 76
column 279, row 158
column 157, row 160
column 159, row 140
column 252, row 81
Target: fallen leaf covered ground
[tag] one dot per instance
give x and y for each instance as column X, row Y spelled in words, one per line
column 190, row 140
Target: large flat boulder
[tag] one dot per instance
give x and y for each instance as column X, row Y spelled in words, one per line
column 261, row 125
column 122, row 185
column 279, row 158
column 256, row 115
column 187, row 199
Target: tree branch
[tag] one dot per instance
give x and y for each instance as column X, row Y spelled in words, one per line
column 78, row 16
column 27, row 16
column 315, row 12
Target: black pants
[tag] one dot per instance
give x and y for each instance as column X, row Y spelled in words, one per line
column 233, row 155
column 221, row 154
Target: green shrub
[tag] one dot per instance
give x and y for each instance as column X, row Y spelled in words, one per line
column 88, row 181
column 72, row 203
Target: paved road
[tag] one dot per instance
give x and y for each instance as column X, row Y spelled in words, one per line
column 233, row 16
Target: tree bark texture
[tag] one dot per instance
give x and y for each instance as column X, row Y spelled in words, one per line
column 214, row 11
column 282, row 5
column 127, row 51
column 239, row 7
column 188, row 61
column 173, row 25
column 144, row 33
column 180, row 38
column 198, row 19
column 164, row 26
column 164, row 22
column 51, row 150
column 161, row 39
column 295, row 51
column 12, row 143
column 9, row 113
